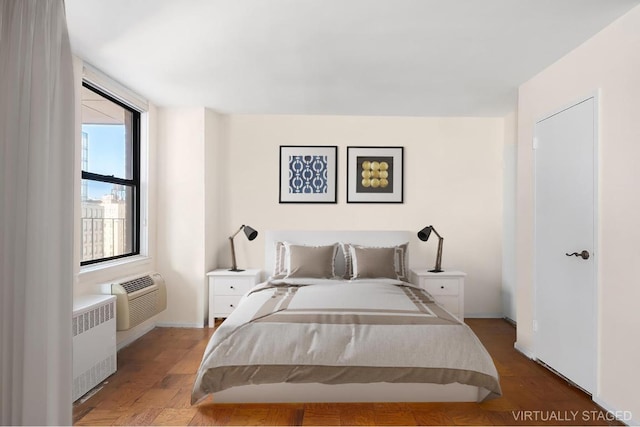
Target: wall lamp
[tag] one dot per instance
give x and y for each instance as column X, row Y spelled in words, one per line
column 424, row 236
column 250, row 233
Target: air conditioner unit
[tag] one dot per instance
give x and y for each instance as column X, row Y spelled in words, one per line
column 138, row 299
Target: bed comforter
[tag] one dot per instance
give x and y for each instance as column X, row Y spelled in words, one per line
column 335, row 332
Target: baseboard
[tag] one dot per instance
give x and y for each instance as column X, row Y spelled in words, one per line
column 179, row 325
column 625, row 417
column 483, row 316
column 511, row 321
column 524, row 351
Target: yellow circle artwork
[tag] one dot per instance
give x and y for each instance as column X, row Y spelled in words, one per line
column 375, row 174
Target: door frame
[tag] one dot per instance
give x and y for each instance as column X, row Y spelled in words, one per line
column 596, row 233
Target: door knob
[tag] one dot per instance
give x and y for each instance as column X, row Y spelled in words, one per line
column 583, row 254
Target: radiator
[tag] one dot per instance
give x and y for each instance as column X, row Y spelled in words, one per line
column 138, row 299
column 94, row 341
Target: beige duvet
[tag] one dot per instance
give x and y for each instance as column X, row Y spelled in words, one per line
column 336, row 332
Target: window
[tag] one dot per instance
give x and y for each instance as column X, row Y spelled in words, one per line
column 110, row 190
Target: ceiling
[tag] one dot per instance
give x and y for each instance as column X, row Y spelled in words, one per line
column 339, row 57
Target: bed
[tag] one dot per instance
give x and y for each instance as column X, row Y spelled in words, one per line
column 325, row 327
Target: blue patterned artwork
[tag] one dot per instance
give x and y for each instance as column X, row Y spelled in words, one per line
column 308, row 174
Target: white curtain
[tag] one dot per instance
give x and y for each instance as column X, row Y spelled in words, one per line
column 36, row 213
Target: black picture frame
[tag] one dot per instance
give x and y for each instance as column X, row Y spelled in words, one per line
column 308, row 174
column 375, row 174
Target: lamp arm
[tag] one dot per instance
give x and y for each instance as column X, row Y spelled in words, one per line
column 438, row 266
column 240, row 229
column 434, row 230
column 234, row 266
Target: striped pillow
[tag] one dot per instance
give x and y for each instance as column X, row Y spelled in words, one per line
column 280, row 261
column 311, row 261
column 400, row 261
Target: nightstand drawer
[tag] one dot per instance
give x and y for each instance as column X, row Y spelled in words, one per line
column 441, row 286
column 225, row 304
column 232, row 286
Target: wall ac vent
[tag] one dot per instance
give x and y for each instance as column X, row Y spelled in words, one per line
column 136, row 284
column 139, row 299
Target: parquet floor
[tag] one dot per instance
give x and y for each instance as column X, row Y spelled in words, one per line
column 153, row 383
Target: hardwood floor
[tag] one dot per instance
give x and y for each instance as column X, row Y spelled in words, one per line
column 153, row 384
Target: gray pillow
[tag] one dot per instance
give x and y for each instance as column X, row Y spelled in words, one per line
column 311, row 261
column 370, row 263
column 376, row 262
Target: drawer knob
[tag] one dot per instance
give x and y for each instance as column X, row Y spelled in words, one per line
column 230, row 305
column 441, row 287
column 231, row 287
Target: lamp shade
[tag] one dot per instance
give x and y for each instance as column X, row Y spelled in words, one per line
column 250, row 232
column 425, row 233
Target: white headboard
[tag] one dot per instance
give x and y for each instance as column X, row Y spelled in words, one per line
column 328, row 237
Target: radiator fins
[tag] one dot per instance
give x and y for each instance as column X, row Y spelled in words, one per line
column 84, row 322
column 139, row 299
column 94, row 342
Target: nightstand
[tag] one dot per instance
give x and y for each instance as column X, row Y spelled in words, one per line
column 447, row 288
column 226, row 288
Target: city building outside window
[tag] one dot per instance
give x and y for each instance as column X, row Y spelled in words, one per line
column 110, row 190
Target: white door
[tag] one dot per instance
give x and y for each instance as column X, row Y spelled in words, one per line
column 565, row 218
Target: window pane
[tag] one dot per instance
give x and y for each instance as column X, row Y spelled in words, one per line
column 107, row 220
column 106, row 136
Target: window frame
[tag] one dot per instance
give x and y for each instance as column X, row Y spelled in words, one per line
column 134, row 183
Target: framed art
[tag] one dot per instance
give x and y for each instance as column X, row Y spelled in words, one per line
column 375, row 174
column 308, row 174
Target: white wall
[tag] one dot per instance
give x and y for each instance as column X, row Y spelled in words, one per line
column 181, row 213
column 509, row 216
column 217, row 191
column 610, row 63
column 191, row 208
column 453, row 180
